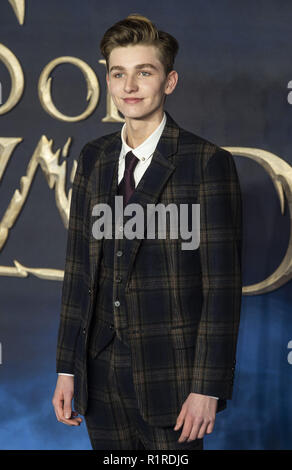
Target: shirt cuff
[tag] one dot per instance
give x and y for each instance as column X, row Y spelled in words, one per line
column 63, row 373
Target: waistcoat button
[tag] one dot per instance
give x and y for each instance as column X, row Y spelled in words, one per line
column 117, row 303
column 119, row 253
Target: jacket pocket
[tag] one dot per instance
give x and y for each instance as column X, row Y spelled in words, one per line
column 103, row 335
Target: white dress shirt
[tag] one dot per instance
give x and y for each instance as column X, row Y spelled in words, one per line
column 144, row 152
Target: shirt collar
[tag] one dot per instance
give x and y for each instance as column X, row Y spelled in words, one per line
column 146, row 148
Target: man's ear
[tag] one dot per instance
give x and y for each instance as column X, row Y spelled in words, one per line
column 171, row 82
column 107, row 78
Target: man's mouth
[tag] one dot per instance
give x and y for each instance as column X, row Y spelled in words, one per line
column 132, row 100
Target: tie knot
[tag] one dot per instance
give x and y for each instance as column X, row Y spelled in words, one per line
column 131, row 161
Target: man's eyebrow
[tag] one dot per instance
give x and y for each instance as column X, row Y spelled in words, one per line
column 138, row 67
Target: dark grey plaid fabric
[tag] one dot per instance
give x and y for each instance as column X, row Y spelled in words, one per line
column 183, row 306
column 112, row 417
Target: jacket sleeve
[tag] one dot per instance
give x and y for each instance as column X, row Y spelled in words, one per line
column 71, row 303
column 220, row 257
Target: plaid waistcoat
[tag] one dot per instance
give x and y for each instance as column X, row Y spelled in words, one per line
column 110, row 312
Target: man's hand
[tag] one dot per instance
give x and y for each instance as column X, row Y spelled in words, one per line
column 62, row 401
column 198, row 415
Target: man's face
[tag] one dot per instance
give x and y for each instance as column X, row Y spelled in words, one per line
column 137, row 82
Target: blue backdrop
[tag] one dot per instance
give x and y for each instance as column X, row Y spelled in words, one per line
column 234, row 66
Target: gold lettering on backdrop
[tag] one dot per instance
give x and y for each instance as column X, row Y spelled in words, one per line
column 19, row 9
column 17, row 78
column 112, row 114
column 281, row 175
column 56, row 178
column 23, row 271
column 7, row 145
column 44, row 88
column 279, row 171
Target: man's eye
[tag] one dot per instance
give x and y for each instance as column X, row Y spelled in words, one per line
column 116, row 75
column 146, row 73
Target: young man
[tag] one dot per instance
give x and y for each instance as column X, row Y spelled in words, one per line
column 149, row 330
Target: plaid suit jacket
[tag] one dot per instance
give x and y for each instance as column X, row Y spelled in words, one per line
column 184, row 305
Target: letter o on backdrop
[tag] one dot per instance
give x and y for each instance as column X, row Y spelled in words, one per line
column 44, row 88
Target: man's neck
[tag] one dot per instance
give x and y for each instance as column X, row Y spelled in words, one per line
column 138, row 130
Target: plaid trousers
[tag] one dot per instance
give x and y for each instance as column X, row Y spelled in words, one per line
column 112, row 418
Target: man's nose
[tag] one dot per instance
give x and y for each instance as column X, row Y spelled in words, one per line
column 130, row 84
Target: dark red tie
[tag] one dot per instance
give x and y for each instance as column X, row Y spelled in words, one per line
column 127, row 184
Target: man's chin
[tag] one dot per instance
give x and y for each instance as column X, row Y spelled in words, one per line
column 138, row 115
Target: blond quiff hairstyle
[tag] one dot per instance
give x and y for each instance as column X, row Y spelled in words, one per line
column 137, row 29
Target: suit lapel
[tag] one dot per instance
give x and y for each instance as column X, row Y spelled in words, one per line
column 147, row 191
column 153, row 182
column 104, row 184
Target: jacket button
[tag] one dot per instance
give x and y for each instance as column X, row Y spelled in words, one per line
column 117, row 303
column 119, row 278
column 84, row 331
column 89, row 291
